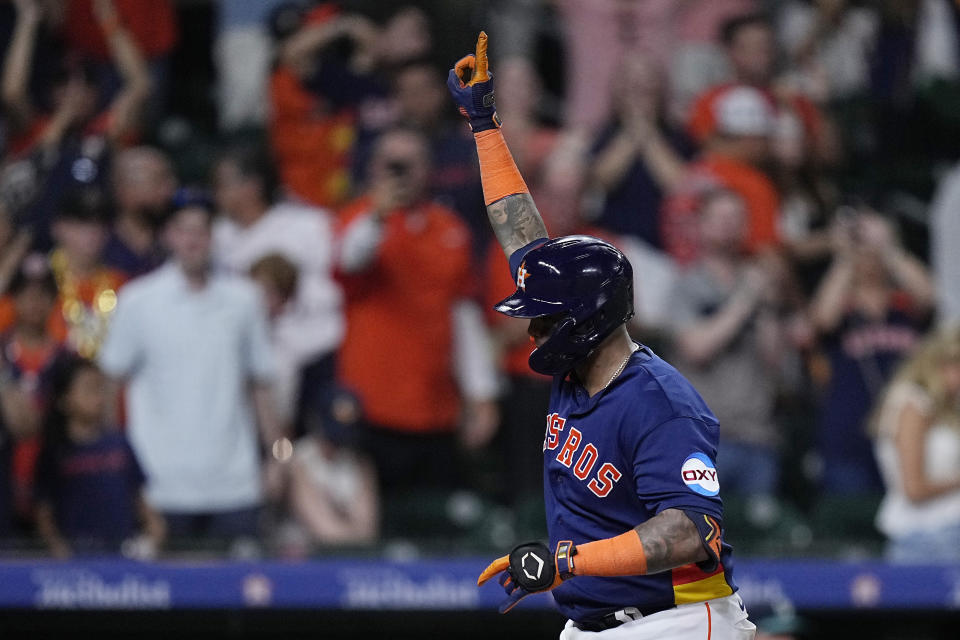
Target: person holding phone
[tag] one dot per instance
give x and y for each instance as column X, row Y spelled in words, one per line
column 414, row 350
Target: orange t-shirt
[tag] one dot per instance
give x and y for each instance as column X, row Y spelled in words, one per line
column 678, row 220
column 397, row 352
column 311, row 142
column 8, row 317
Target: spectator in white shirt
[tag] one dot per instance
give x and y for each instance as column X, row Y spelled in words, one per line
column 917, row 431
column 252, row 226
column 333, row 494
column 193, row 348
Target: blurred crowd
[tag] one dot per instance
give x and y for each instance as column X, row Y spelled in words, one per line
column 272, row 332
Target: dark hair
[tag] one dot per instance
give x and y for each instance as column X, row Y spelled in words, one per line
column 286, row 18
column 86, row 204
column 731, row 28
column 190, row 198
column 33, row 269
column 60, row 377
column 253, row 160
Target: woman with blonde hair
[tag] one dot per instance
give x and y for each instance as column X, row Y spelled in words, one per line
column 917, row 430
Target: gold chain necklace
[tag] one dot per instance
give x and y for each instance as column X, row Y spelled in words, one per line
column 86, row 323
column 620, row 368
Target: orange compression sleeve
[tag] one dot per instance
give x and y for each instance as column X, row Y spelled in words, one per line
column 498, row 172
column 618, row 556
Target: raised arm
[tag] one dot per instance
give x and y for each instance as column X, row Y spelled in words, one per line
column 830, row 299
column 516, row 221
column 299, row 51
column 512, row 212
column 703, row 340
column 127, row 107
column 907, row 272
column 639, row 137
column 16, row 66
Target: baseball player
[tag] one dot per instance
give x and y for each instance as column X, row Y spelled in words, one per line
column 634, row 515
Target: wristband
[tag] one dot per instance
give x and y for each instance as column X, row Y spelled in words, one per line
column 498, row 172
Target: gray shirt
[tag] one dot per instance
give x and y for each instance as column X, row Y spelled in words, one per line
column 736, row 383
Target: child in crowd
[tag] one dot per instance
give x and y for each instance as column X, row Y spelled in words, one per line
column 333, row 487
column 89, row 484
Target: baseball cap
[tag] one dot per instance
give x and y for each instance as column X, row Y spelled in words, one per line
column 743, row 111
column 190, row 197
column 338, row 413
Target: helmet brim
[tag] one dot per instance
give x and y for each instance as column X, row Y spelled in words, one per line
column 520, row 305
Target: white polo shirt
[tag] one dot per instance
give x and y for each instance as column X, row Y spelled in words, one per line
column 189, row 356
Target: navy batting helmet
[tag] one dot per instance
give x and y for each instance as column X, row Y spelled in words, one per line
column 586, row 280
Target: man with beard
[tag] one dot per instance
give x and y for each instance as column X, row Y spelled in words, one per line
column 143, row 184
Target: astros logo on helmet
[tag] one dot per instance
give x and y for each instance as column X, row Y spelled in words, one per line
column 522, row 275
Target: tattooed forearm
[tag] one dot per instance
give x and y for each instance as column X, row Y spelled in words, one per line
column 670, row 540
column 516, row 221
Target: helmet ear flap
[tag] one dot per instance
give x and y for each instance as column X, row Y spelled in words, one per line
column 589, row 326
column 558, row 353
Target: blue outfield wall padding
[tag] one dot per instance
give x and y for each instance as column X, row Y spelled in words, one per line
column 359, row 584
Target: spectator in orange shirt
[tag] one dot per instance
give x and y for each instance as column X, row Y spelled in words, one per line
column 88, row 288
column 314, row 92
column 414, row 350
column 730, row 159
column 419, row 99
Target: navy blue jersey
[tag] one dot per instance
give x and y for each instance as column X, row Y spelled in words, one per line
column 646, row 443
column 93, row 488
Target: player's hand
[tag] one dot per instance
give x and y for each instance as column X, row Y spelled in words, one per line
column 471, row 84
column 530, row 568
